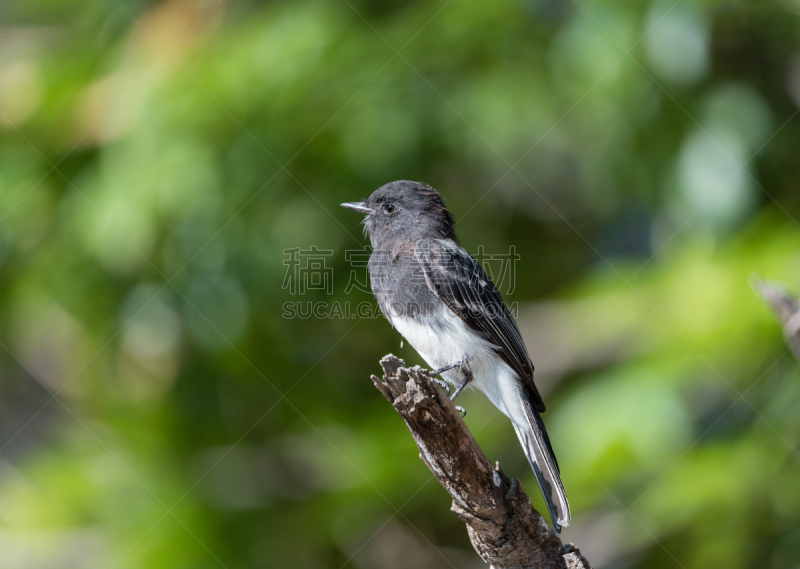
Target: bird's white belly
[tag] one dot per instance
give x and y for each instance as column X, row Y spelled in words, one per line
column 448, row 341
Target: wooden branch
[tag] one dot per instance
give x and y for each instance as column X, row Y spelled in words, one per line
column 786, row 308
column 503, row 526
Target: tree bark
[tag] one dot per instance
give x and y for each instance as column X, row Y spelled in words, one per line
column 504, row 528
column 786, row 308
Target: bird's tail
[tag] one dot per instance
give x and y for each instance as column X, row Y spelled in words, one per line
column 536, row 445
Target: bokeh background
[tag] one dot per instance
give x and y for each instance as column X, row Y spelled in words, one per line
column 176, row 387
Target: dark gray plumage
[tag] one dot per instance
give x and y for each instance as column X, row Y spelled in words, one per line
column 442, row 301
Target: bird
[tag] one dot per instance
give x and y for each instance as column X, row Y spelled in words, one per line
column 448, row 309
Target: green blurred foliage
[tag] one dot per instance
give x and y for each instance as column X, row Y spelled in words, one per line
column 157, row 160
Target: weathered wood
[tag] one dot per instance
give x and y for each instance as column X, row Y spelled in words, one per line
column 505, row 529
column 786, row 308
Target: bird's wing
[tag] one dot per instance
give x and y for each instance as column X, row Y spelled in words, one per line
column 459, row 281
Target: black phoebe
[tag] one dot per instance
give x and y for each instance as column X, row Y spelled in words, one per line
column 441, row 300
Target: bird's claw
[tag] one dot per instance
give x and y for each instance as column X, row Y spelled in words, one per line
column 467, row 378
column 461, row 411
column 459, row 363
column 443, row 384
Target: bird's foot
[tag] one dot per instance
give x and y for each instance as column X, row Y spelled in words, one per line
column 441, row 383
column 467, row 379
column 459, row 363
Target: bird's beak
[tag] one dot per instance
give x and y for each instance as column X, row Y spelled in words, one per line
column 360, row 207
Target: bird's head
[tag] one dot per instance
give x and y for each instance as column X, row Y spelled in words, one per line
column 405, row 208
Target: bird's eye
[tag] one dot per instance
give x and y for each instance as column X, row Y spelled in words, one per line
column 389, row 208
